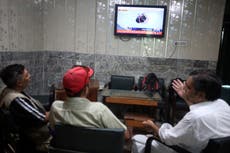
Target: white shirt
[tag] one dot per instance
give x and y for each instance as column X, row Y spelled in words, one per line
column 82, row 112
column 204, row 121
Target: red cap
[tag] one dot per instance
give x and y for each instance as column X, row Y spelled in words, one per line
column 76, row 78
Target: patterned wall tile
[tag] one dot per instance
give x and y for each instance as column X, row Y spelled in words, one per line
column 48, row 67
column 87, row 27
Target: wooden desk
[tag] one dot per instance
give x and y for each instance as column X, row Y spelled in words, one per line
column 59, row 94
column 126, row 97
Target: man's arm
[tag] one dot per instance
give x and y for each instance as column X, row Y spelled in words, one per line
column 26, row 113
column 111, row 121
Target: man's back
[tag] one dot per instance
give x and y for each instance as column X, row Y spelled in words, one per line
column 82, row 112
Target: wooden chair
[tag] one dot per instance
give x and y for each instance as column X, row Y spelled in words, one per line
column 72, row 139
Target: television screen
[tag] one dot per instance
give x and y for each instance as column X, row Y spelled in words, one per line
column 140, row 20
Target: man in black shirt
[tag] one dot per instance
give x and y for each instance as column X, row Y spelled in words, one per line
column 28, row 113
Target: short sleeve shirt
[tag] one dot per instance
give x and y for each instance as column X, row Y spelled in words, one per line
column 82, row 112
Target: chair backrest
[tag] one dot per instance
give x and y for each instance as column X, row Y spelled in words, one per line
column 215, row 145
column 8, row 123
column 218, row 145
column 122, row 82
column 162, row 88
column 225, row 93
column 9, row 132
column 68, row 138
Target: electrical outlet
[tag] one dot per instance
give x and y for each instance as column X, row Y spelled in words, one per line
column 181, row 43
column 78, row 63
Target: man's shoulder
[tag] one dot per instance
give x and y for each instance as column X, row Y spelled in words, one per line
column 57, row 103
column 9, row 95
column 98, row 105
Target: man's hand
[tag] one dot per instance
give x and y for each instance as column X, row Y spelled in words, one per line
column 47, row 115
column 151, row 124
column 178, row 86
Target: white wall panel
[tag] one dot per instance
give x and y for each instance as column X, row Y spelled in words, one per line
column 4, row 36
column 86, row 26
column 101, row 26
column 207, row 29
column 59, row 25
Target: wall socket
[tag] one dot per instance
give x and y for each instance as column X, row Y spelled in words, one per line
column 78, row 63
column 181, row 43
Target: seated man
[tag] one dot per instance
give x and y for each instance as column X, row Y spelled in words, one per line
column 28, row 113
column 209, row 117
column 77, row 109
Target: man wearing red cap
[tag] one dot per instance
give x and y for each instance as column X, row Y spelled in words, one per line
column 77, row 109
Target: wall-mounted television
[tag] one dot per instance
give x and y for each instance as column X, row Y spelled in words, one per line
column 140, row 20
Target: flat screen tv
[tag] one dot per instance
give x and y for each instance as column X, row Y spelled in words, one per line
column 140, row 20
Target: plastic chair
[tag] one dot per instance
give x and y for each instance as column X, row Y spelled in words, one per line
column 12, row 137
column 215, row 145
column 218, row 145
column 9, row 132
column 122, row 82
column 72, row 139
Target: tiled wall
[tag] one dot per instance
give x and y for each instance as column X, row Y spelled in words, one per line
column 51, row 36
column 48, row 67
column 86, row 26
column 21, row 26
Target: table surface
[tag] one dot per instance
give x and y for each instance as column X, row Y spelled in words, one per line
column 129, row 93
column 130, row 97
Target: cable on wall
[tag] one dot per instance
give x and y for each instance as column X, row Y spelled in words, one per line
column 173, row 52
column 123, row 38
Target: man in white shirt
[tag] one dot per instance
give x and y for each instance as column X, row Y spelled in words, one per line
column 209, row 117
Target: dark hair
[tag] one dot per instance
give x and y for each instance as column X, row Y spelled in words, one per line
column 69, row 93
column 11, row 74
column 208, row 82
